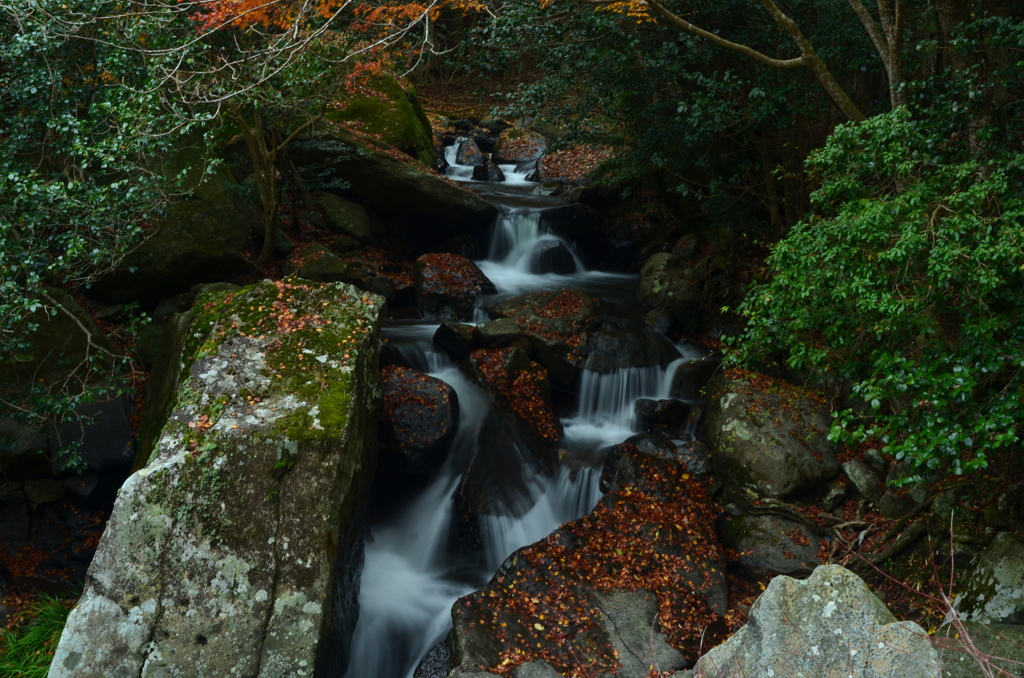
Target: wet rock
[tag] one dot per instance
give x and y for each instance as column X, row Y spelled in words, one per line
column 447, row 286
column 517, row 145
column 381, row 285
column 658, row 320
column 769, row 544
column 662, row 285
column 501, row 333
column 418, row 420
column 435, row 664
column 488, row 171
column 614, row 348
column 661, row 414
column 345, row 218
column 44, row 490
column 558, row 325
column 828, row 624
column 239, row 545
column 993, row 592
column 519, row 386
column 469, row 154
column 696, row 456
column 456, row 339
column 768, row 435
column 599, row 591
column 317, row 263
column 552, row 256
column 691, row 380
column 866, row 482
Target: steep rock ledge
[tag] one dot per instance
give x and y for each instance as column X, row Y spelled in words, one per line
column 237, row 549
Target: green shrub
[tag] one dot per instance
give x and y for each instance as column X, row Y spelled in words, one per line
column 27, row 651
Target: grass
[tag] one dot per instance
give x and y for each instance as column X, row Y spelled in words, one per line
column 27, row 649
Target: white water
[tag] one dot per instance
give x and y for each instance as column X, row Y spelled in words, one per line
column 414, row 569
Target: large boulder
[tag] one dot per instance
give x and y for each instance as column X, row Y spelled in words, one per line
column 994, row 591
column 345, row 217
column 516, row 145
column 422, row 207
column 769, row 544
column 631, row 585
column 196, row 240
column 419, row 419
column 830, row 624
column 973, row 650
column 768, row 435
column 614, row 348
column 236, row 550
column 558, row 325
column 317, row 263
column 447, row 286
column 662, row 285
column 380, row 106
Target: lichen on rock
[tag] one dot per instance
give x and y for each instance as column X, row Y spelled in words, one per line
column 236, row 550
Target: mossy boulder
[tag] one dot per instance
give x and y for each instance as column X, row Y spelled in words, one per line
column 383, row 108
column 196, row 240
column 663, row 284
column 516, row 145
column 994, row 591
column 236, row 550
column 768, row 436
column 345, row 217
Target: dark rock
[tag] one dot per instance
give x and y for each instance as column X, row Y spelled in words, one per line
column 686, row 247
column 1001, row 644
column 559, row 326
column 447, row 139
column 834, row 498
column 691, row 380
column 663, row 563
column 488, row 171
column 435, row 664
column 381, row 285
column 117, row 313
column 469, row 154
column 14, row 522
column 876, row 461
column 103, row 435
column 520, row 388
column 456, row 339
column 448, row 285
column 658, row 320
column 316, row 262
column 768, row 435
column 463, row 125
column 282, row 243
column 147, row 345
column 696, row 456
column 485, row 142
column 391, row 355
column 769, row 544
column 866, row 482
column 11, row 493
column 82, row 486
column 345, row 218
column 552, row 256
column 895, row 505
column 662, row 285
column 613, row 348
column 501, row 333
column 344, row 244
column 663, row 414
column 993, row 592
column 44, row 490
column 176, row 304
column 419, row 419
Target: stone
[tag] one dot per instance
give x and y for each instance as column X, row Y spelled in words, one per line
column 44, row 490
column 658, row 320
column 418, row 420
column 237, row 547
column 196, row 241
column 147, row 345
column 179, row 303
column 830, row 624
column 691, row 380
column 470, row 154
column 103, row 436
column 316, row 262
column 876, row 461
column 380, row 285
column 895, row 505
column 686, row 247
column 769, row 436
column 535, row 669
column 345, row 218
column 516, row 145
column 456, row 339
column 344, row 244
column 488, row 171
column 282, row 243
column 437, row 663
column 501, row 333
column 447, row 286
column 380, row 106
column 834, row 498
column 14, row 522
column 769, row 545
column 630, row 573
column 993, row 592
column 662, row 285
column 82, row 486
column 552, row 256
column 1002, row 643
column 866, row 482
column 663, row 414
column 397, row 191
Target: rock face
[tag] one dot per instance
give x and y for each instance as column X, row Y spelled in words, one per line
column 236, row 550
column 317, row 263
column 662, row 285
column 637, row 578
column 768, row 435
column 345, row 217
column 770, row 544
column 420, row 416
column 517, row 145
column 827, row 625
column 994, row 591
column 447, row 286
column 197, row 241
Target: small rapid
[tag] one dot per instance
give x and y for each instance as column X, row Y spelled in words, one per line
column 415, row 565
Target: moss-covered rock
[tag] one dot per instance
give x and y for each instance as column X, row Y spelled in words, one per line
column 345, row 217
column 237, row 549
column 517, row 145
column 381, row 107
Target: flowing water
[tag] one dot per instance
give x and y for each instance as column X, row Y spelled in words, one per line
column 415, row 566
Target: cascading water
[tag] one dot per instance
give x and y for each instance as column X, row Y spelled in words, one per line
column 415, row 567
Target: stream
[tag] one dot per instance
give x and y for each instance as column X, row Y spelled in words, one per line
column 415, row 566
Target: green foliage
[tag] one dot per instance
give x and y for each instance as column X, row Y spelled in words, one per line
column 909, row 283
column 27, row 651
